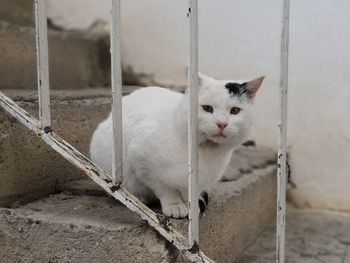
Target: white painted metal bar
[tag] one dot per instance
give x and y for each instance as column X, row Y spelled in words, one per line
column 282, row 150
column 159, row 222
column 193, row 128
column 42, row 64
column 116, row 72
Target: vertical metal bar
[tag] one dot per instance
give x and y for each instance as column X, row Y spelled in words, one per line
column 42, row 64
column 117, row 152
column 193, row 127
column 282, row 150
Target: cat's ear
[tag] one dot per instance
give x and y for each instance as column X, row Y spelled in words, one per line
column 252, row 86
column 204, row 79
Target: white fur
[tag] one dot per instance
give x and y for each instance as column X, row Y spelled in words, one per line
column 155, row 141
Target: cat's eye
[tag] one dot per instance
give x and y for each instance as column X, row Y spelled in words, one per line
column 235, row 110
column 208, row 108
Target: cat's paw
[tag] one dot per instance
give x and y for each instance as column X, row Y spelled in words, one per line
column 203, row 201
column 176, row 210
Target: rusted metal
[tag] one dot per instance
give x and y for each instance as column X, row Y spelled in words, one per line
column 193, row 193
column 282, row 149
column 117, row 90
column 42, row 63
column 66, row 150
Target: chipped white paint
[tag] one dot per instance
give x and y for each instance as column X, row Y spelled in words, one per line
column 42, row 63
column 193, row 195
column 282, row 150
column 159, row 222
column 116, row 72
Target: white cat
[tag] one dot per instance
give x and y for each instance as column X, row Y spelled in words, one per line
column 155, row 138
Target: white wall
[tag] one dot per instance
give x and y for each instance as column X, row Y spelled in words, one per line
column 240, row 39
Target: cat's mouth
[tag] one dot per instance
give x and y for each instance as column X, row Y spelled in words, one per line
column 216, row 139
column 220, row 135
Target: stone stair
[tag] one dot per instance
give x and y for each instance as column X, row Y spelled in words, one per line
column 78, row 222
column 78, row 60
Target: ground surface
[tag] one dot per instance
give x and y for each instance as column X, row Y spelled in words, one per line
column 311, row 236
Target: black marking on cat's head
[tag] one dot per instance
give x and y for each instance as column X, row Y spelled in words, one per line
column 236, row 89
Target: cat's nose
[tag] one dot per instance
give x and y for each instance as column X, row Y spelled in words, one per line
column 222, row 125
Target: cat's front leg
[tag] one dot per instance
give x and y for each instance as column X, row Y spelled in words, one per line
column 171, row 202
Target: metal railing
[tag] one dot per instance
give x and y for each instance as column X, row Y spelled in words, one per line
column 113, row 183
column 282, row 148
column 117, row 91
column 193, row 194
column 42, row 64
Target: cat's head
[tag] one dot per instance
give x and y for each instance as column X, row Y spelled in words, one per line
column 224, row 114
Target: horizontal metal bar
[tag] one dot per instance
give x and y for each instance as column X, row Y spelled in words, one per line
column 193, row 127
column 158, row 221
column 282, row 149
column 42, row 52
column 117, row 90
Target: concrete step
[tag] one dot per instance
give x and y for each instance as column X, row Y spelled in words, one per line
column 17, row 12
column 81, row 225
column 77, row 59
column 29, row 170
